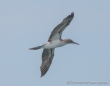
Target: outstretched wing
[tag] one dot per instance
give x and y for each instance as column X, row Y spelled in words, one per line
column 47, row 56
column 57, row 31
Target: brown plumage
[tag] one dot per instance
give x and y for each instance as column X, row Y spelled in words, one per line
column 48, row 54
column 53, row 42
column 47, row 57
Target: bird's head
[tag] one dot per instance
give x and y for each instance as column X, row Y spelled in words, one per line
column 69, row 41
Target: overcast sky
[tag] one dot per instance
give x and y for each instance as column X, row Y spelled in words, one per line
column 28, row 23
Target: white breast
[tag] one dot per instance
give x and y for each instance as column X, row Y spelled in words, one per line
column 54, row 44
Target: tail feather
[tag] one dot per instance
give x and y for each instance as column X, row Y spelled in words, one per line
column 35, row 48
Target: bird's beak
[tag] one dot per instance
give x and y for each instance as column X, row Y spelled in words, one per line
column 75, row 43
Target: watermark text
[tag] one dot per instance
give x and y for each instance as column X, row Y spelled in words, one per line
column 86, row 82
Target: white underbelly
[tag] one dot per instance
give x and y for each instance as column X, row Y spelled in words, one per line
column 55, row 44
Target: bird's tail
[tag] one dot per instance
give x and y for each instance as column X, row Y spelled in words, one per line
column 35, row 48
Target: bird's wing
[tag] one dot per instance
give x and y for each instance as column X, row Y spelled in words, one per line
column 57, row 31
column 47, row 56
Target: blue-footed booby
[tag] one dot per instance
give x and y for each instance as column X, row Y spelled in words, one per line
column 54, row 41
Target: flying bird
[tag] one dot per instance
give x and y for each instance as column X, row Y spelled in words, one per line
column 54, row 41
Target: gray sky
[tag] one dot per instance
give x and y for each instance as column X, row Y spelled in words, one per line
column 28, row 23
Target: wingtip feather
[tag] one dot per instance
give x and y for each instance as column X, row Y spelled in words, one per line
column 72, row 14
